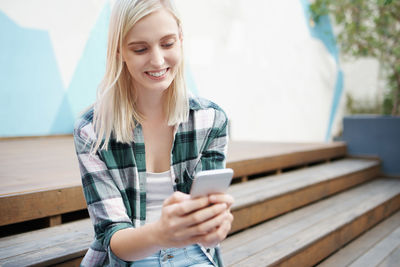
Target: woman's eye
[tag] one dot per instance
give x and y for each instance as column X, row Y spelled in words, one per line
column 168, row 45
column 139, row 50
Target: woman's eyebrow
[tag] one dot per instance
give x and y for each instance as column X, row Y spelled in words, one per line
column 168, row 36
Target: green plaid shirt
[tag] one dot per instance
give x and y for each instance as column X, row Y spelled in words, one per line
column 114, row 180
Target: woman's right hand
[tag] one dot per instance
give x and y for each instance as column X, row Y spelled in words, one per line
column 186, row 221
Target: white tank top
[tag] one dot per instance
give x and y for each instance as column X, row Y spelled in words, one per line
column 158, row 187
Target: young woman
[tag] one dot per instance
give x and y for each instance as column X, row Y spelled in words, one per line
column 140, row 145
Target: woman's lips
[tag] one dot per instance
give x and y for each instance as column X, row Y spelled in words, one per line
column 158, row 74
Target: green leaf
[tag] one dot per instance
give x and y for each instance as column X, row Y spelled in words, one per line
column 387, row 2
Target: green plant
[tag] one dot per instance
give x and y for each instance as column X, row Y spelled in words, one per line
column 362, row 106
column 369, row 28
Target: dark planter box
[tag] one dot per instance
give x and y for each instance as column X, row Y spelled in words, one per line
column 374, row 135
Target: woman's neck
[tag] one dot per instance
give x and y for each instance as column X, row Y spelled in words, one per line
column 151, row 105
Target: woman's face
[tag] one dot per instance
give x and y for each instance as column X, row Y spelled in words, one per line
column 152, row 51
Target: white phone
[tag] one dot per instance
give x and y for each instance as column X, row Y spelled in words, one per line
column 211, row 181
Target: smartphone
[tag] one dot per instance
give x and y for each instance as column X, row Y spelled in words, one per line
column 211, row 181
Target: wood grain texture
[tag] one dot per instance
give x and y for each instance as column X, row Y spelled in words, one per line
column 47, row 246
column 324, row 247
column 248, row 158
column 54, row 220
column 262, row 199
column 33, row 164
column 306, row 241
column 362, row 244
column 380, row 251
column 268, row 234
column 391, row 260
column 33, row 205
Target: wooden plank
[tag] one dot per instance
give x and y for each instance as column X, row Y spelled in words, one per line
column 54, row 220
column 33, row 164
column 248, row 150
column 311, row 245
column 392, row 260
column 71, row 263
column 332, row 242
column 47, row 246
column 248, row 158
column 285, row 244
column 42, row 237
column 357, row 248
column 257, row 201
column 255, row 239
column 28, row 206
column 271, row 186
column 377, row 254
column 282, row 225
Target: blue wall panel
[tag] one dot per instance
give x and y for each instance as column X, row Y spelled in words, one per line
column 31, row 87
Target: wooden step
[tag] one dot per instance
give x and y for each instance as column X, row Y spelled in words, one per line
column 47, row 246
column 380, row 246
column 265, row 198
column 40, row 176
column 248, row 158
column 306, row 236
column 70, row 241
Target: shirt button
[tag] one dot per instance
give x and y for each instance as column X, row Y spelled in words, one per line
column 208, row 250
column 167, row 257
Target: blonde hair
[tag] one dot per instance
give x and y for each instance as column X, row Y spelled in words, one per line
column 115, row 110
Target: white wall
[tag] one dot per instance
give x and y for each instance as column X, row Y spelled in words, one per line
column 258, row 61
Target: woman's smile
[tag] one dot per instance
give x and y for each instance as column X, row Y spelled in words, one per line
column 158, row 74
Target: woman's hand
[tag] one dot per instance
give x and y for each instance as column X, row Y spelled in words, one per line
column 185, row 221
column 225, row 219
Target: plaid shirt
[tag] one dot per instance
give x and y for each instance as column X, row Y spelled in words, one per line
column 114, row 180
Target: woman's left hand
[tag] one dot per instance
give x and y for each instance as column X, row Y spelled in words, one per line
column 225, row 218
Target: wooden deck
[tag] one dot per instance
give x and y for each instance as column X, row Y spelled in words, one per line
column 40, row 176
column 29, row 164
column 295, row 205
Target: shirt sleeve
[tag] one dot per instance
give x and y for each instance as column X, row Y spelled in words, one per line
column 214, row 154
column 103, row 197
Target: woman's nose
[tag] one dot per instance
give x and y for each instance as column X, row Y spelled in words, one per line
column 157, row 58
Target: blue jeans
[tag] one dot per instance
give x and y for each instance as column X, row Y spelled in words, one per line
column 191, row 256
